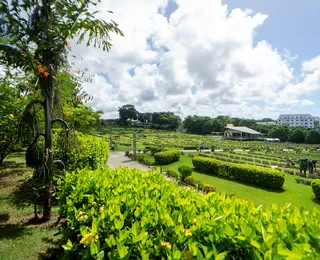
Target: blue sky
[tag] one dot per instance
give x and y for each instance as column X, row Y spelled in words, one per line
column 291, row 25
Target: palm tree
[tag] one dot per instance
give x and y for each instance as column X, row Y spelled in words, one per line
column 37, row 32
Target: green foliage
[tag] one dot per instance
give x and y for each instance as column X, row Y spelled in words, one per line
column 12, row 103
column 117, row 214
column 81, row 151
column 173, row 174
column 165, row 120
column 298, row 135
column 167, row 157
column 82, row 118
column 155, row 150
column 282, row 132
column 127, row 112
column 37, row 33
column 185, row 171
column 313, row 137
column 260, row 176
column 34, row 154
column 315, row 184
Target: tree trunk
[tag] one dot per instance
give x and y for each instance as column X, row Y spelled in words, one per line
column 49, row 160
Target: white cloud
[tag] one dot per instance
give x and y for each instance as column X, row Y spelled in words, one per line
column 202, row 44
column 306, row 102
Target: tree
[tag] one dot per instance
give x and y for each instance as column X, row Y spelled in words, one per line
column 82, row 118
column 127, row 112
column 145, row 117
column 38, row 31
column 313, row 137
column 282, row 132
column 12, row 103
column 298, row 135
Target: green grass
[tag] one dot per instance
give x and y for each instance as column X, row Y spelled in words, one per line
column 297, row 194
column 18, row 238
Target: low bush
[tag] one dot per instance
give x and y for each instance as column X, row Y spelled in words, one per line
column 140, row 158
column 190, row 148
column 147, row 162
column 315, row 184
column 165, row 158
column 124, row 144
column 173, row 174
column 130, row 214
column 260, row 176
column 185, row 171
column 155, row 150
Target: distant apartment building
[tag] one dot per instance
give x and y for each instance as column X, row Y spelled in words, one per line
column 305, row 120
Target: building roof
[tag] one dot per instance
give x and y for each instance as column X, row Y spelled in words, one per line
column 243, row 129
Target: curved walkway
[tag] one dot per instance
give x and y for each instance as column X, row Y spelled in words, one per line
column 119, row 159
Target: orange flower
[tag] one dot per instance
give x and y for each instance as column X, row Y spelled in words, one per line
column 30, row 92
column 12, row 116
column 40, row 69
column 78, row 72
column 73, row 63
column 69, row 45
column 46, row 74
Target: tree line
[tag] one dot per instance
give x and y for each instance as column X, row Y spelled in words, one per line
column 207, row 125
column 156, row 120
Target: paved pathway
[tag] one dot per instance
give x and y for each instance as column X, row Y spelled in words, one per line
column 119, row 159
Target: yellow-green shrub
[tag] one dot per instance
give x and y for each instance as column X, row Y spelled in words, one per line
column 130, row 214
column 315, row 184
column 81, row 150
column 165, row 158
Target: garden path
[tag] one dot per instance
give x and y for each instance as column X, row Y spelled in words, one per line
column 119, row 159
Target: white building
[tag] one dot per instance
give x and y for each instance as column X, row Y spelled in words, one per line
column 267, row 123
column 305, row 120
column 240, row 133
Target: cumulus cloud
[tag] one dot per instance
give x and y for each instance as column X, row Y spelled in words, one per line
column 203, row 45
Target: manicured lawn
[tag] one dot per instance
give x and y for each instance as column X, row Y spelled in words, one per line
column 297, row 194
column 18, row 238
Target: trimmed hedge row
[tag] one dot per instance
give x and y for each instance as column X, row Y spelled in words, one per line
column 165, row 158
column 315, row 184
column 260, row 176
column 130, row 214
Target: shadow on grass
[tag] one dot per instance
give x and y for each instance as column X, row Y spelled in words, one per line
column 10, row 231
column 316, row 201
column 4, row 217
column 244, row 183
column 54, row 252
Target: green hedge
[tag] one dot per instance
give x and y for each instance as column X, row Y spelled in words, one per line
column 165, row 158
column 130, row 214
column 256, row 175
column 315, row 184
column 80, row 151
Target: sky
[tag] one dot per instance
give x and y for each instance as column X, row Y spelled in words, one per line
column 248, row 58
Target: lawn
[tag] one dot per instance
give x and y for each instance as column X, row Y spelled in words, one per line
column 297, row 194
column 18, row 238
